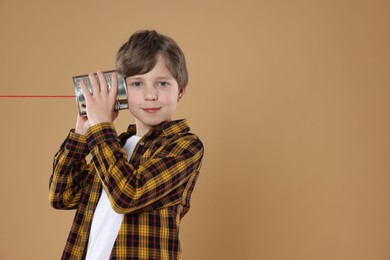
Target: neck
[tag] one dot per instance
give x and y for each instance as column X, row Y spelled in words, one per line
column 141, row 130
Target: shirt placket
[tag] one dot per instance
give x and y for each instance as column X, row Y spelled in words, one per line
column 88, row 214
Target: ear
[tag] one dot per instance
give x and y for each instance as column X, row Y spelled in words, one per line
column 180, row 96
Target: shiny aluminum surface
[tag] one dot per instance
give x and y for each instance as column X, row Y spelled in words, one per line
column 121, row 99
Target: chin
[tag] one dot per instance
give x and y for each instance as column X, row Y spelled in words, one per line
column 153, row 122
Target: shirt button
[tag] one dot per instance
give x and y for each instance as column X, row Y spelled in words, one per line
column 90, row 211
column 142, row 143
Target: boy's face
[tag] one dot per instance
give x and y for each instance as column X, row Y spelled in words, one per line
column 153, row 96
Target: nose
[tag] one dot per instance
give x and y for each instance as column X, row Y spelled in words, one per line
column 150, row 93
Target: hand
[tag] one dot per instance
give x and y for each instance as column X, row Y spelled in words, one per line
column 82, row 125
column 101, row 103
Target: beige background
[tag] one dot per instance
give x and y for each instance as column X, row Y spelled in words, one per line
column 291, row 99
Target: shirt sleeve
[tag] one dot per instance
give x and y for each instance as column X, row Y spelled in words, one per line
column 129, row 188
column 69, row 172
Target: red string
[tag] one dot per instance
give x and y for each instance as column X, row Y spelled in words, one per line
column 34, row 96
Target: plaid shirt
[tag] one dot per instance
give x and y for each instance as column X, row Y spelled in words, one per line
column 152, row 189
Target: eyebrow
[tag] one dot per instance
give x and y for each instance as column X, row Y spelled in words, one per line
column 166, row 78
column 158, row 78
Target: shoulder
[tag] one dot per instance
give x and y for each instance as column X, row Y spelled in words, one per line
column 187, row 143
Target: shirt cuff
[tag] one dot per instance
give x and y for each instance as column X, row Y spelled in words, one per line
column 100, row 133
column 76, row 143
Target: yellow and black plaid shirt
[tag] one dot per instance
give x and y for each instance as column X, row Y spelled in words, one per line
column 152, row 189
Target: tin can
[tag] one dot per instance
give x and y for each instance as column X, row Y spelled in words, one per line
column 121, row 98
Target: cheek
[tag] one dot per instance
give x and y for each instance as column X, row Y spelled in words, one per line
column 170, row 97
column 132, row 100
column 169, row 100
column 133, row 96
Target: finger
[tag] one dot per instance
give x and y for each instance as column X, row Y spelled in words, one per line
column 102, row 83
column 94, row 83
column 114, row 85
column 84, row 90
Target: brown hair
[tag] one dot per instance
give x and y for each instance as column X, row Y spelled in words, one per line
column 138, row 56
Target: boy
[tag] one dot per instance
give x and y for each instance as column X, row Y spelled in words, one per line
column 132, row 195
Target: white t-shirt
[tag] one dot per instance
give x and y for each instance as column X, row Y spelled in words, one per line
column 106, row 222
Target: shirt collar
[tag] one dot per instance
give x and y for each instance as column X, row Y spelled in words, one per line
column 164, row 129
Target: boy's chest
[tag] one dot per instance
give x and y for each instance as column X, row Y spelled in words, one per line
column 143, row 152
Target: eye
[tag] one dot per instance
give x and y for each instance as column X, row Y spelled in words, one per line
column 162, row 84
column 136, row 84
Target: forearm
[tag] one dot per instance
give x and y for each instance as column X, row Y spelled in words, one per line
column 130, row 188
column 69, row 172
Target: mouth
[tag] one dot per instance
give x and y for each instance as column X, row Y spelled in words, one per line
column 151, row 110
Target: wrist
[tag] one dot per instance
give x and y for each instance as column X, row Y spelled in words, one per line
column 76, row 144
column 100, row 132
column 95, row 121
column 80, row 132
